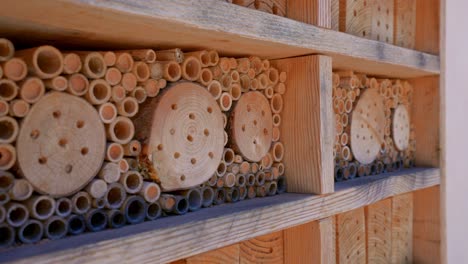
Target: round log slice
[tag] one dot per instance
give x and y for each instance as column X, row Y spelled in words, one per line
column 61, row 144
column 367, row 127
column 186, row 139
column 401, row 127
column 252, row 126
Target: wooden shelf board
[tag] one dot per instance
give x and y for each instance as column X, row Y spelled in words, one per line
column 193, row 24
column 173, row 238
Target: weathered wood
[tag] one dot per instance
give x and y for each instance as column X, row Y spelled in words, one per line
column 314, row 12
column 263, row 249
column 379, row 231
column 306, row 131
column 402, row 228
column 226, row 28
column 405, row 23
column 428, row 26
column 312, row 242
column 221, row 226
column 351, row 237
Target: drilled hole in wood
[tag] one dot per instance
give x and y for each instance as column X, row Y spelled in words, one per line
column 354, row 12
column 68, row 168
column 56, row 114
column 190, row 138
column 192, row 116
column 174, row 107
column 211, row 155
column 80, row 123
column 206, row 132
column 42, row 160
column 35, row 134
column 265, row 131
column 63, row 142
column 160, row 147
column 176, row 155
column 172, row 131
column 209, row 109
column 193, row 161
column 363, row 33
column 243, row 128
column 84, row 151
column 255, row 122
column 182, row 177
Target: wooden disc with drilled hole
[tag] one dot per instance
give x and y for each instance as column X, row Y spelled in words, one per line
column 252, row 126
column 401, row 127
column 186, row 140
column 61, row 144
column 367, row 126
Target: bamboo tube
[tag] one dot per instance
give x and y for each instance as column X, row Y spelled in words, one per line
column 226, row 82
column 167, row 202
column 58, row 83
column 55, row 228
column 170, row 55
column 7, row 156
column 78, row 84
column 344, row 120
column 214, row 57
column 129, row 81
column 344, row 139
column 256, row 64
column 220, row 196
column 238, row 159
column 206, row 76
column 202, row 56
column 348, row 106
column 232, row 195
column 267, row 161
column 216, row 72
column 4, row 107
column 14, row 69
column 7, row 181
column 244, row 82
column 215, row 89
column 277, row 152
column 151, row 87
column 8, row 90
column 260, row 191
column 98, row 203
column 235, row 77
column 244, row 167
column 132, row 181
column 113, row 76
column 225, row 101
column 339, row 174
column 280, row 88
column 72, row 63
column 275, row 134
column 254, row 167
column 224, row 65
column 96, row 220
column 8, row 130
column 254, row 84
column 45, row 61
column 181, row 205
column 265, row 65
column 251, row 192
column 171, row 71
column 243, row 65
column 32, row 90
column 213, row 180
column 145, row 55
column 153, row 211
column 31, row 232
column 229, row 179
column 259, row 178
column 97, row 188
column 228, row 156
column 99, row 92
column 121, row 130
column 21, row 189
column 7, row 49
column 220, row 182
column 128, row 107
column 94, row 65
column 76, row 224
column 115, row 219
column 107, row 113
column 134, row 209
column 276, row 103
column 194, row 198
column 114, row 152
column 241, row 180
column 235, row 91
column 269, row 92
column 271, row 188
column 232, row 63
column 273, row 76
column 346, row 153
column 16, row 214
column 114, row 196
column 4, row 198
column 207, row 196
column 276, row 120
column 133, row 148
column 110, row 58
column 81, row 202
column 150, row 191
column 63, row 207
column 132, row 163
column 139, row 94
column 156, row 70
column 141, row 71
column 109, row 172
column 123, row 166
column 268, row 175
column 280, row 167
column 263, row 81
column 8, row 235
column 124, row 62
column 234, row 168
column 118, row 93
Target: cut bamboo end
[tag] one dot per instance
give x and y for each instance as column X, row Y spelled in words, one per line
column 241, row 180
column 94, row 66
column 203, row 56
column 273, row 76
column 232, row 195
column 172, row 71
column 15, row 69
column 214, row 57
column 207, row 196
column 254, row 84
column 224, row 65
column 109, row 172
column 132, row 163
column 118, row 93
column 244, row 167
column 63, row 207
column 215, row 89
column 251, row 73
column 212, row 180
column 8, row 90
column 267, row 161
column 220, row 196
column 124, row 62
column 81, row 203
column 96, row 220
column 226, row 82
column 21, row 190
column 206, row 76
column 133, row 148
column 256, row 64
column 229, row 179
column 344, row 139
column 99, row 92
column 32, row 90
column 121, row 130
column 244, row 83
column 115, row 196
column 232, row 63
column 7, row 49
column 31, row 232
column 221, row 170
column 41, row 207
column 346, row 153
column 4, row 108
column 132, row 181
column 263, row 81
column 78, row 84
column 170, row 55
column 45, row 61
column 4, row 198
column 152, row 87
column 55, row 228
column 8, row 233
column 8, row 130
column 139, row 94
column 259, row 178
column 194, row 199
column 107, row 112
column 96, row 188
column 18, row 108
column 114, row 152
column 250, row 179
column 128, row 107
column 7, row 157
column 228, row 156
column 71, row 63
column 234, row 168
column 156, row 70
column 280, row 88
column 110, row 58
column 150, row 191
column 76, row 224
column 141, row 71
column 145, row 55
column 7, row 181
column 276, row 120
column 98, row 203
column 167, row 202
column 276, row 103
column 123, row 166
column 278, row 151
column 235, row 91
column 58, row 83
column 243, row 65
column 16, row 214
column 116, row 219
column 129, row 81
column 113, row 76
column 235, row 77
column 216, row 71
column 225, row 101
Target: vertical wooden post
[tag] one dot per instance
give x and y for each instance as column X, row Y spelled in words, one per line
column 379, row 231
column 402, row 228
column 313, row 242
column 315, row 12
column 307, row 132
column 263, row 249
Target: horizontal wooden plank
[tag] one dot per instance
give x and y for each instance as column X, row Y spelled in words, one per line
column 194, row 24
column 173, row 238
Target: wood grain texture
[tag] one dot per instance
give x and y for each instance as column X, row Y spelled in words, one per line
column 402, row 229
column 225, row 255
column 425, row 116
column 426, row 226
column 314, row 12
column 379, row 231
column 220, row 226
column 428, row 26
column 405, row 23
column 312, row 242
column 306, row 128
column 382, row 21
column 335, row 15
column 356, row 17
column 263, row 249
column 351, row 237
column 226, row 28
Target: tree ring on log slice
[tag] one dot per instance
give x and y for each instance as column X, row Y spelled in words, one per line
column 367, row 127
column 401, row 127
column 61, row 144
column 187, row 136
column 252, row 126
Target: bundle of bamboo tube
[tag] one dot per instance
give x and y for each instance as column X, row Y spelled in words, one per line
column 43, row 89
column 393, row 154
